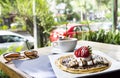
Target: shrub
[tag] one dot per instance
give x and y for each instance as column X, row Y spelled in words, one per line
column 102, row 36
column 3, row 75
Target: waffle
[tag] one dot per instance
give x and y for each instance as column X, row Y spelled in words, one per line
column 70, row 64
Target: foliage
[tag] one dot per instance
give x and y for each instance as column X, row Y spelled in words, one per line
column 108, row 16
column 4, row 27
column 8, row 7
column 23, row 9
column 85, row 22
column 104, row 4
column 3, row 75
column 13, row 27
column 24, row 28
column 44, row 18
column 11, row 48
column 102, row 36
column 69, row 12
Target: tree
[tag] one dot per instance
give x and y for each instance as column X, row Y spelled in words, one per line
column 104, row 6
column 112, row 6
column 23, row 9
column 7, row 10
column 84, row 7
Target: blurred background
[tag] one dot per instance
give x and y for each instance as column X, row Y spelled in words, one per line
column 39, row 21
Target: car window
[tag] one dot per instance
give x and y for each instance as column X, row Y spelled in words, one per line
column 84, row 28
column 10, row 38
column 1, row 39
column 76, row 28
column 63, row 28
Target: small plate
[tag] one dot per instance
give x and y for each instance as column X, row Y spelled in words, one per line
column 115, row 65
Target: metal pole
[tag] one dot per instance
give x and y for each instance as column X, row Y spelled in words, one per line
column 35, row 26
column 0, row 10
column 115, row 6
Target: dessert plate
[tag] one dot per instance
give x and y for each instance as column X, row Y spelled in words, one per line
column 115, row 65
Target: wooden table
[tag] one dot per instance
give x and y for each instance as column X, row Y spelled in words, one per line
column 111, row 50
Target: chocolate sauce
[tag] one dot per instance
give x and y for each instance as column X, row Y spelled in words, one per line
column 96, row 61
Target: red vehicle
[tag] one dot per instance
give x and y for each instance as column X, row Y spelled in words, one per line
column 68, row 30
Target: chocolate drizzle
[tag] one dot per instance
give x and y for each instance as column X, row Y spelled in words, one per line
column 92, row 61
column 96, row 61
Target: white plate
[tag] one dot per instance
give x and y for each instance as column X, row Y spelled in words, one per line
column 62, row 74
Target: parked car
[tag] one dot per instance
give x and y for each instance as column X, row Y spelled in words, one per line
column 118, row 27
column 67, row 30
column 10, row 39
column 107, row 26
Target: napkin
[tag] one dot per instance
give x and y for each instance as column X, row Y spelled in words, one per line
column 37, row 68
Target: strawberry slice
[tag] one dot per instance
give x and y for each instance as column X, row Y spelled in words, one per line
column 83, row 51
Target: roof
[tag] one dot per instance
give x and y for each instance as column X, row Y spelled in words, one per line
column 7, row 32
column 76, row 24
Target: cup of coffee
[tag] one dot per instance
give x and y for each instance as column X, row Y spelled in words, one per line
column 65, row 45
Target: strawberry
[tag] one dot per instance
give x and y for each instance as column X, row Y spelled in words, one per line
column 83, row 51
